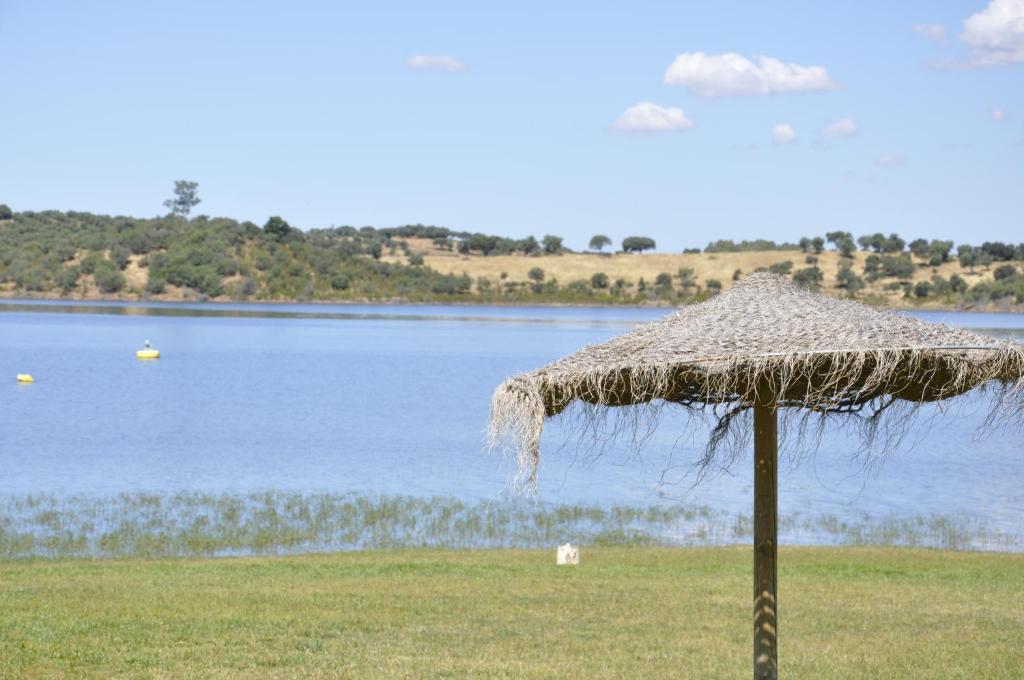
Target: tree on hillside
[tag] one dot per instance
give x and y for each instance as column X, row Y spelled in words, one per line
column 998, row 250
column 552, row 244
column 875, row 242
column 185, row 198
column 277, row 227
column 536, row 274
column 599, row 242
column 818, row 244
column 848, row 280
column 843, row 241
column 920, row 249
column 687, row 279
column 529, row 245
column 897, row 266
column 879, row 243
column 938, row 252
column 968, row 256
column 834, row 237
column 637, row 244
column 805, row 244
column 6, row 213
column 893, row 244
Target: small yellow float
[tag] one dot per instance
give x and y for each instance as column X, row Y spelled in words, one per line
column 147, row 352
column 25, row 378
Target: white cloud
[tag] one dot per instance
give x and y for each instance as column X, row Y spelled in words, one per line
column 434, row 62
column 842, row 128
column 936, row 32
column 890, row 160
column 650, row 117
column 998, row 114
column 996, row 34
column 783, row 133
column 731, row 74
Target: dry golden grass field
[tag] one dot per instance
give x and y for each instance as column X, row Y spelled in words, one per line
column 632, row 267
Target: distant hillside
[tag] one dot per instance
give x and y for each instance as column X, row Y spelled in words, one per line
column 85, row 256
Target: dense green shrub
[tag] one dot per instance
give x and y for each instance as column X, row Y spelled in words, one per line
column 277, row 228
column 108, row 278
column 579, row 287
column 810, row 277
column 156, row 285
column 67, row 279
column 848, row 280
column 637, row 244
column 552, row 244
column 1005, row 271
column 897, row 266
column 730, row 246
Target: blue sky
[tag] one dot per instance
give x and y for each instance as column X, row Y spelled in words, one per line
column 528, row 117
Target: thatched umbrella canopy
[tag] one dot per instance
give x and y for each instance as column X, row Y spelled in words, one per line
column 764, row 345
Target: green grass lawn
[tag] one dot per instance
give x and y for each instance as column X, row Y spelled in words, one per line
column 624, row 613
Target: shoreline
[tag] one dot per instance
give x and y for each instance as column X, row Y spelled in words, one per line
column 6, row 298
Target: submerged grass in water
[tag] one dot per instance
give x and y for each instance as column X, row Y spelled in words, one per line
column 277, row 523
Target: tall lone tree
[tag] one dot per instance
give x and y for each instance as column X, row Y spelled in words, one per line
column 185, row 198
column 599, row 242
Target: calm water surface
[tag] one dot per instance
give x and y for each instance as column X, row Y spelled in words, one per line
column 394, row 400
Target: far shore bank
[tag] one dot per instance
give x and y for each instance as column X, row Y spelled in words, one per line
column 9, row 297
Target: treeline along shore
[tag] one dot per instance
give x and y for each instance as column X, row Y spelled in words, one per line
column 84, row 256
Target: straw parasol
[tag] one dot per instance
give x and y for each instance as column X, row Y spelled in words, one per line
column 764, row 346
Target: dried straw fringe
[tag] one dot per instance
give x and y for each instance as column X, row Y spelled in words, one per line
column 824, row 382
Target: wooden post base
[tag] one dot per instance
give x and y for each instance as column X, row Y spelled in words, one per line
column 766, row 529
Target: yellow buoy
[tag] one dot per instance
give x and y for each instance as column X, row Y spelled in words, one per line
column 147, row 352
column 25, row 378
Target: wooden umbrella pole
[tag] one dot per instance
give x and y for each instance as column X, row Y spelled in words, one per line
column 766, row 529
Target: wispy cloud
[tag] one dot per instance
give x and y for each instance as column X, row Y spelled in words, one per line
column 435, row 62
column 998, row 114
column 936, row 32
column 843, row 128
column 890, row 160
column 650, row 117
column 783, row 133
column 732, row 74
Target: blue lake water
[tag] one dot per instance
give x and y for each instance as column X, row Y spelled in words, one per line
column 394, row 400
